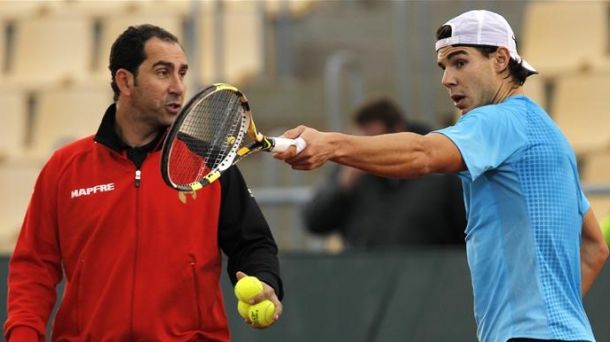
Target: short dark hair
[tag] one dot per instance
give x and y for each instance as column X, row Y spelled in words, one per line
column 517, row 71
column 127, row 51
column 380, row 109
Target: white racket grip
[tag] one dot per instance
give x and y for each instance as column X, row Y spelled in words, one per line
column 282, row 144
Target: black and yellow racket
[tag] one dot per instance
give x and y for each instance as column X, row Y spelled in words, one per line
column 214, row 131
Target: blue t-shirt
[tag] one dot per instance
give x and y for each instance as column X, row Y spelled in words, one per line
column 525, row 211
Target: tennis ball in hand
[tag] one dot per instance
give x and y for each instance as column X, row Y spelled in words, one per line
column 243, row 309
column 262, row 313
column 247, row 288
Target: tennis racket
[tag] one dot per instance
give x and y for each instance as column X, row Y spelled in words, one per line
column 213, row 132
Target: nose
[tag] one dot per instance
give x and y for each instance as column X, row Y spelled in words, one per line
column 177, row 86
column 448, row 79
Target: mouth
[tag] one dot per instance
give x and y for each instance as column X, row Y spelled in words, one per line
column 173, row 108
column 458, row 100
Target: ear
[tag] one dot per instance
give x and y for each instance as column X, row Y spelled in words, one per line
column 125, row 81
column 502, row 58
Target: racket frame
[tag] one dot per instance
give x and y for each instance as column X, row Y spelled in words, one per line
column 235, row 154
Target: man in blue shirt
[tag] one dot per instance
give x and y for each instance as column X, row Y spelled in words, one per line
column 534, row 245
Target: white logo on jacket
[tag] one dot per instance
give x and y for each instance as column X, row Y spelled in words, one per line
column 92, row 190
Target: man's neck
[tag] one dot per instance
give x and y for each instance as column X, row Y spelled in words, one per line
column 133, row 132
column 507, row 90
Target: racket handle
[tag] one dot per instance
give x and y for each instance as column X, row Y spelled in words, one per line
column 281, row 144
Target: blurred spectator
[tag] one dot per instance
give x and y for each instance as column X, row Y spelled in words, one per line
column 370, row 211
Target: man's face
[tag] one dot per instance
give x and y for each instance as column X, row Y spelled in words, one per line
column 159, row 89
column 470, row 78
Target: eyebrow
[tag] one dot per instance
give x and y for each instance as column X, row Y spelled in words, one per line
column 169, row 65
column 451, row 56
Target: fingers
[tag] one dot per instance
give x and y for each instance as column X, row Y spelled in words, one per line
column 270, row 295
column 299, row 143
column 240, row 275
column 314, row 149
column 278, row 308
column 267, row 293
column 295, row 132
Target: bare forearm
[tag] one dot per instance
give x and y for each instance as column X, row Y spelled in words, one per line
column 390, row 155
column 590, row 267
column 402, row 155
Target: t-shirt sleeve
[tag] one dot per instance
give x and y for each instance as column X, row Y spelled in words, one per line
column 584, row 204
column 487, row 137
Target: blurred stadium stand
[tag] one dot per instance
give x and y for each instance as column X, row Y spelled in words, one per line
column 596, row 173
column 3, row 47
column 561, row 37
column 49, row 48
column 111, row 22
column 17, row 177
column 580, row 107
column 232, row 35
column 67, row 113
column 13, row 129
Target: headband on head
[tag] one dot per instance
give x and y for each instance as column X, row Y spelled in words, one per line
column 482, row 27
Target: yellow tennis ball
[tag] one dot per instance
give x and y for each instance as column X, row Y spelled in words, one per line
column 262, row 313
column 247, row 288
column 231, row 140
column 605, row 225
column 243, row 309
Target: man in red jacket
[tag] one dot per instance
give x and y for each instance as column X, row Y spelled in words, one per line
column 141, row 261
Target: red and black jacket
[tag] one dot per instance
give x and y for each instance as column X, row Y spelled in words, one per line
column 141, row 261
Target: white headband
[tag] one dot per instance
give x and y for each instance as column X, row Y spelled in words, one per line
column 482, row 27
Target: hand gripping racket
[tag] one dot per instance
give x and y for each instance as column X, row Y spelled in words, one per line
column 211, row 133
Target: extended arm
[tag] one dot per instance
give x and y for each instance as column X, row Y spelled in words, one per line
column 593, row 251
column 404, row 155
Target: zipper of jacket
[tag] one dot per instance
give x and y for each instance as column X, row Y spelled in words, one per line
column 138, row 177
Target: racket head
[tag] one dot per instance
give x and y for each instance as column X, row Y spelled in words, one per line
column 205, row 138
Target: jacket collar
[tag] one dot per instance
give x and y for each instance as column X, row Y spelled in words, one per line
column 107, row 136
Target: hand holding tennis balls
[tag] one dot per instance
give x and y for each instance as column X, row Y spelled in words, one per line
column 257, row 301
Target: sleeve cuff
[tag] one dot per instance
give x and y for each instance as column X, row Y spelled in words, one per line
column 273, row 281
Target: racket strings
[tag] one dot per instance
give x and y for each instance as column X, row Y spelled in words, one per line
column 208, row 136
column 221, row 144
